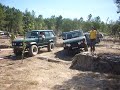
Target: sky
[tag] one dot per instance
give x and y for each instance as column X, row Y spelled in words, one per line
column 67, row 8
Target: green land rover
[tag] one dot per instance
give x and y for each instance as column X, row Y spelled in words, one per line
column 74, row 40
column 34, row 41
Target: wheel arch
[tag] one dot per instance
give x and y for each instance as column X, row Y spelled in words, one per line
column 32, row 43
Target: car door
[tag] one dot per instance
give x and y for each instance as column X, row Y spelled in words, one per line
column 47, row 37
column 52, row 36
column 41, row 40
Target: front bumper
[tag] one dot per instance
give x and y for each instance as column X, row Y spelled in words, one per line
column 20, row 48
column 74, row 46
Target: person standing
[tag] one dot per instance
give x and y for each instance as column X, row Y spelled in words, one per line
column 93, row 36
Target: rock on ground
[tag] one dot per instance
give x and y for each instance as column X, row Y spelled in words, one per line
column 104, row 63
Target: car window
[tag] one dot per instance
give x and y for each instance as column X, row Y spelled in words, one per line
column 68, row 36
column 87, row 35
column 47, row 34
column 51, row 34
column 32, row 34
column 63, row 35
column 74, row 34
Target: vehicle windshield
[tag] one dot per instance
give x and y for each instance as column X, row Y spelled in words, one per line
column 74, row 34
column 32, row 34
column 87, row 35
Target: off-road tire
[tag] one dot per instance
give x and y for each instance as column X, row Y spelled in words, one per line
column 33, row 50
column 50, row 47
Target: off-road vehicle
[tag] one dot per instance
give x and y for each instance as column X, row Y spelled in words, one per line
column 34, row 41
column 74, row 40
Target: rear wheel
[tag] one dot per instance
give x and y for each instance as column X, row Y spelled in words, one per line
column 33, row 50
column 50, row 46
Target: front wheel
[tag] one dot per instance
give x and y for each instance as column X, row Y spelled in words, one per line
column 33, row 50
column 50, row 47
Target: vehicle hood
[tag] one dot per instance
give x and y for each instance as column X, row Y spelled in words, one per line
column 26, row 40
column 73, row 40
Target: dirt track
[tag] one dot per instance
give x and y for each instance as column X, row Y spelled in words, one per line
column 36, row 73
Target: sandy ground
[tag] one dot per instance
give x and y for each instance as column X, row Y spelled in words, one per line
column 35, row 73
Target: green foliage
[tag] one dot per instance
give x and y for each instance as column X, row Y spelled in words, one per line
column 58, row 23
column 89, row 17
column 67, row 25
column 102, row 27
column 2, row 17
column 28, row 21
column 87, row 26
column 39, row 22
column 118, row 5
column 12, row 37
column 14, row 21
column 24, row 47
column 116, row 28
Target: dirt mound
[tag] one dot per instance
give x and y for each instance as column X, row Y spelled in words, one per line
column 59, row 42
column 103, row 63
column 5, row 46
column 5, row 43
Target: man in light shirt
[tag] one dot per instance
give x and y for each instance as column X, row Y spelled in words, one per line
column 42, row 35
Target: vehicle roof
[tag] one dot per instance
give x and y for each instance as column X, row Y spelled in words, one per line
column 42, row 30
column 72, row 31
column 76, row 30
column 1, row 31
column 86, row 33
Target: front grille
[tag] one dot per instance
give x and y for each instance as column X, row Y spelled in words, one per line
column 17, row 43
column 74, row 44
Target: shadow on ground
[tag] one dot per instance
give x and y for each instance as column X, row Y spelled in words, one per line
column 90, row 81
column 66, row 55
column 13, row 57
column 100, row 45
column 26, row 55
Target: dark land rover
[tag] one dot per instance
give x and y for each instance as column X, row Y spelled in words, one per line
column 34, row 41
column 74, row 40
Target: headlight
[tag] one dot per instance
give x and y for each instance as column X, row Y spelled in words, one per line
column 79, row 43
column 13, row 44
column 21, row 44
column 68, row 45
